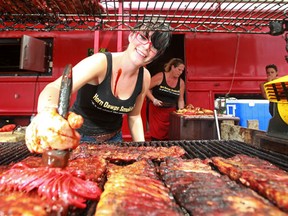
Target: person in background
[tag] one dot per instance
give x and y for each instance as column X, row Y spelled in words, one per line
column 108, row 85
column 166, row 94
column 272, row 74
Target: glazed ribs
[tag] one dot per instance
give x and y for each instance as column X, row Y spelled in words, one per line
column 84, row 167
column 260, row 175
column 22, row 203
column 135, row 190
column 203, row 191
column 115, row 153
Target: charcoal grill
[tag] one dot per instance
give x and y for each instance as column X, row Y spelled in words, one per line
column 15, row 152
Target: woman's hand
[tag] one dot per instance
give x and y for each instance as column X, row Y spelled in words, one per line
column 49, row 130
column 157, row 102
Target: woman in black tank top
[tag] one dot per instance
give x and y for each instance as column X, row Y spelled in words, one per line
column 166, row 95
column 109, row 85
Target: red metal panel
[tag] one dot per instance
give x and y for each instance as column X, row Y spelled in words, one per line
column 107, row 40
column 18, row 98
column 229, row 63
column 70, row 48
column 199, row 98
column 225, row 55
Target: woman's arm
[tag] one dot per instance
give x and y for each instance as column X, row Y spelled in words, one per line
column 134, row 117
column 155, row 80
column 181, row 102
column 48, row 129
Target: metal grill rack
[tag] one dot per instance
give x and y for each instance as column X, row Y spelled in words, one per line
column 233, row 16
column 203, row 149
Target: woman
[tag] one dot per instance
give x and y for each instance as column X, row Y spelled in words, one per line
column 109, row 85
column 272, row 74
column 166, row 94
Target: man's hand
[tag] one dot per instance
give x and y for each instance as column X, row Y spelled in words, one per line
column 270, row 78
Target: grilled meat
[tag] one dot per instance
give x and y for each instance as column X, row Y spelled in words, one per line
column 71, row 185
column 203, row 191
column 191, row 110
column 142, row 168
column 82, row 167
column 258, row 174
column 22, row 203
column 4, row 168
column 32, row 161
column 115, row 153
column 131, row 191
column 91, row 168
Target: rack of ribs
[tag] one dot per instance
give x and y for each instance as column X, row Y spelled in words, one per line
column 22, row 203
column 115, row 153
column 260, row 175
column 202, row 191
column 135, row 190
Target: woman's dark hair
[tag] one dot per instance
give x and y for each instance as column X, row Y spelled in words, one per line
column 161, row 33
column 272, row 66
column 175, row 62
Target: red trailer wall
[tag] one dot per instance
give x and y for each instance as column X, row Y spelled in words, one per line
column 20, row 93
column 229, row 63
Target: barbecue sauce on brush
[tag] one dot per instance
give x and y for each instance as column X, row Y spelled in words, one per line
column 55, row 158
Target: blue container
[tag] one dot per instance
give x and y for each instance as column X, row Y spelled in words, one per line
column 250, row 110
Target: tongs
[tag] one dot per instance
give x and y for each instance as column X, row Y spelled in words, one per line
column 55, row 157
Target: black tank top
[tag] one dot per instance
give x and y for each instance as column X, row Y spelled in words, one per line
column 101, row 110
column 168, row 95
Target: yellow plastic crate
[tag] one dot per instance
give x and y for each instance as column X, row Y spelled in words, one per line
column 277, row 90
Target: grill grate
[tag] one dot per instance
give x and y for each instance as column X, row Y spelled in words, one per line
column 239, row 16
column 204, row 149
column 15, row 152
